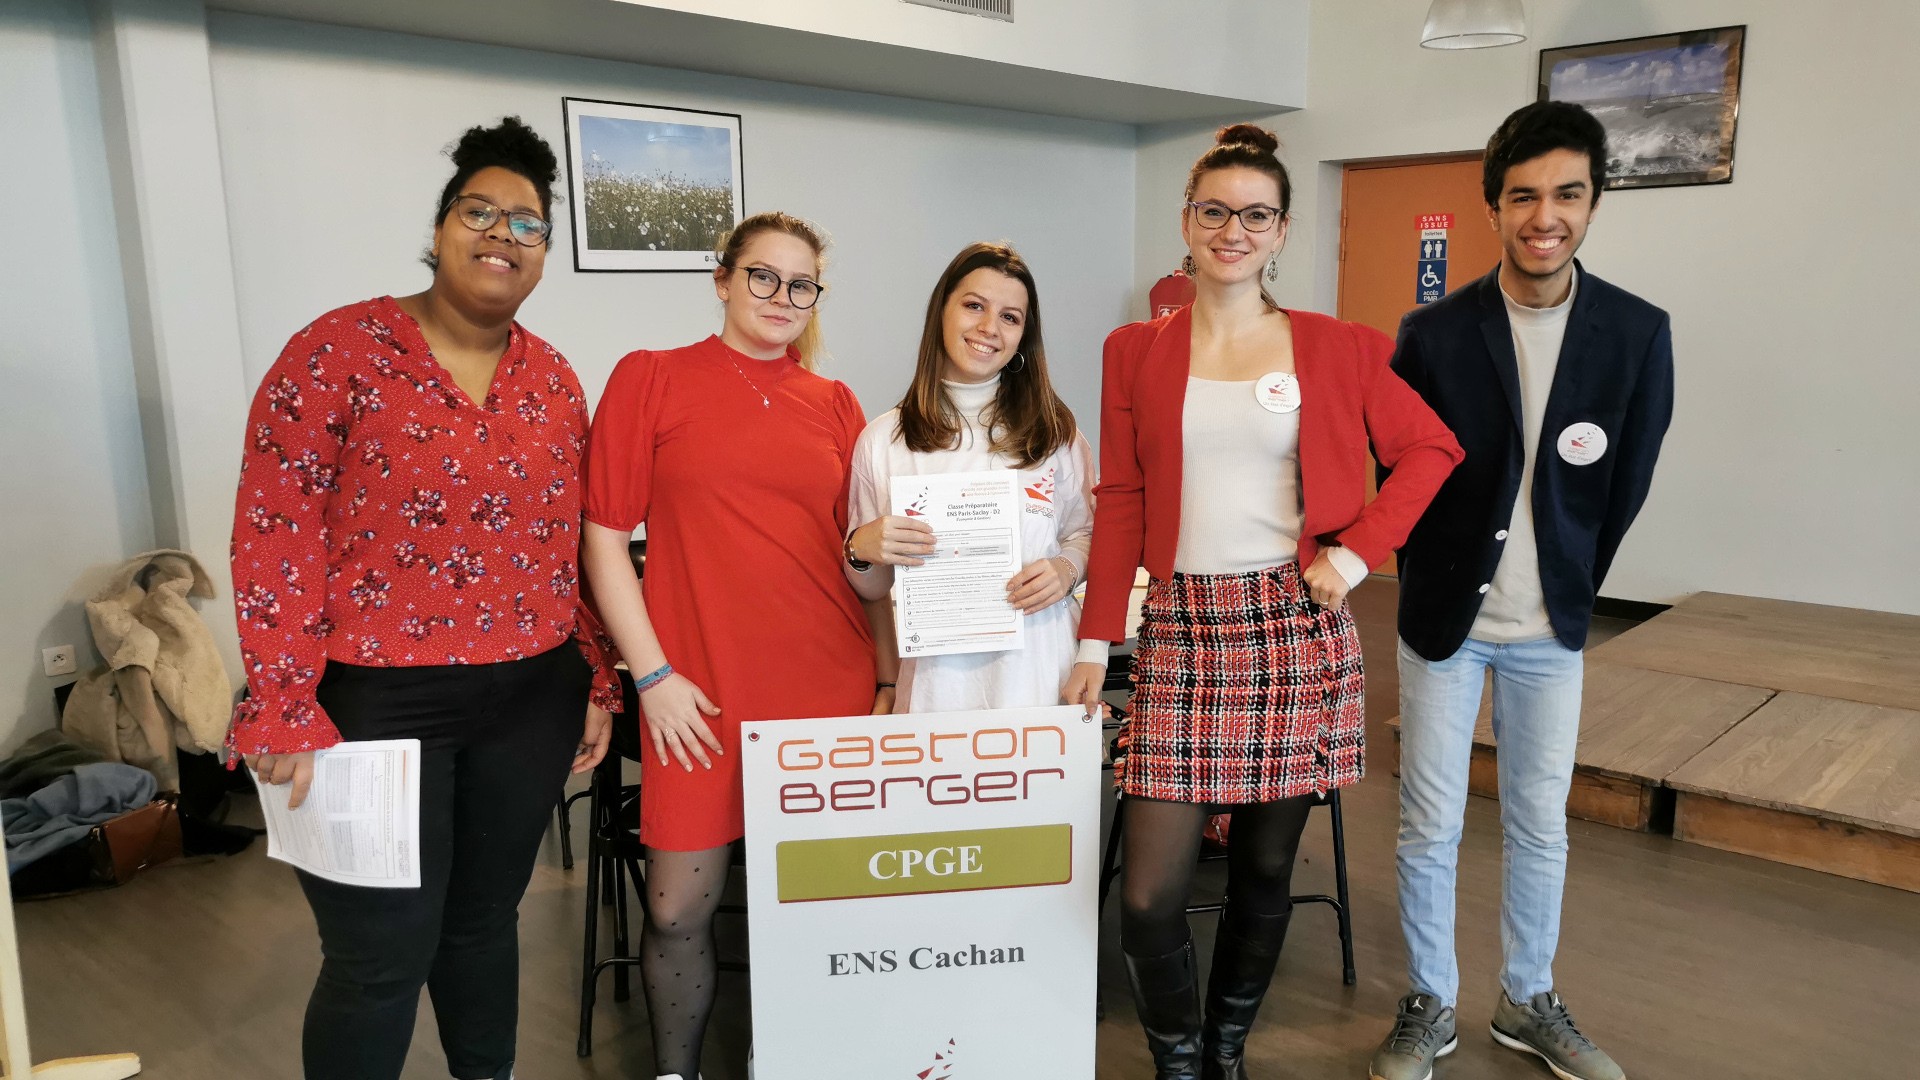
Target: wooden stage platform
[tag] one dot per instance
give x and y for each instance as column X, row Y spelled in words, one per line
column 1781, row 730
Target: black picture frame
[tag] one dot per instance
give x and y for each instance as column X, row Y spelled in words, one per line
column 1670, row 102
column 651, row 188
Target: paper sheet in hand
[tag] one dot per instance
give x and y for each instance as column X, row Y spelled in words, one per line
column 360, row 824
column 957, row 601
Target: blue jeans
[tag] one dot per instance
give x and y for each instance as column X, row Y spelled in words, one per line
column 1536, row 722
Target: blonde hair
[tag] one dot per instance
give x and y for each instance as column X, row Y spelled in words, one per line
column 811, row 343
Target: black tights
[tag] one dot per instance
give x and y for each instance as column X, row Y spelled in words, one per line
column 678, row 964
column 1162, row 849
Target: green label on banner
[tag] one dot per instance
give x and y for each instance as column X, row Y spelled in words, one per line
column 845, row 868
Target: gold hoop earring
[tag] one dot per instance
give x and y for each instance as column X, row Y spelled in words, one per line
column 1021, row 359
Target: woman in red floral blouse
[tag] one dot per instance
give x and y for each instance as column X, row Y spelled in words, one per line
column 406, row 565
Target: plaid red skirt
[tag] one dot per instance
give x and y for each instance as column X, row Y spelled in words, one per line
column 1245, row 691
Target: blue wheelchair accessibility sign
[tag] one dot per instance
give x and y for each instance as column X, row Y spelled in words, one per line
column 1431, row 280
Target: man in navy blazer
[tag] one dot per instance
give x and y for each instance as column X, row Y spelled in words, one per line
column 1559, row 387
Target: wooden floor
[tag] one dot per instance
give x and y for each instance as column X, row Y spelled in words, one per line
column 1679, row 959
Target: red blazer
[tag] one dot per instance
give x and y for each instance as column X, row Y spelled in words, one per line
column 1349, row 397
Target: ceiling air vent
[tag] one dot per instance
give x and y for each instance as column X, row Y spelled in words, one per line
column 986, row 9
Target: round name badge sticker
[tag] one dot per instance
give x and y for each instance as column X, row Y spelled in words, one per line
column 1582, row 444
column 1277, row 392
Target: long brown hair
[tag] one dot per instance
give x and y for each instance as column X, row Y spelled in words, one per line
column 810, row 344
column 1027, row 421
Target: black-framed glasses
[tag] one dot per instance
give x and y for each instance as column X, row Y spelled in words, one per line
column 528, row 228
column 802, row 293
column 1256, row 218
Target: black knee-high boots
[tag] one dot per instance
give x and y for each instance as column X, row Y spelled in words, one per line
column 1167, row 995
column 1245, row 950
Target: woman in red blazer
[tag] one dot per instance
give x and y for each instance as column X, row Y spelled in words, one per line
column 1233, row 456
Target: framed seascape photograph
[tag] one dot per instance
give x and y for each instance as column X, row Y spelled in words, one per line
column 1669, row 102
column 652, row 189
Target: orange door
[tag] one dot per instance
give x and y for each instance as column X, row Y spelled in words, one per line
column 1393, row 252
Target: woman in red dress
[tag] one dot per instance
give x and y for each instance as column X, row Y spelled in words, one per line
column 735, row 455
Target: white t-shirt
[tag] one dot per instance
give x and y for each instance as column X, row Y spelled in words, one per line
column 1057, row 520
column 1240, row 498
column 1515, row 607
column 1239, row 481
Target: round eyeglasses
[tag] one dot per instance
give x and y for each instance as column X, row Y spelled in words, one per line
column 1256, row 218
column 802, row 293
column 528, row 228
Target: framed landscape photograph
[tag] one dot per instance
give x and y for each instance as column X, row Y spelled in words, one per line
column 652, row 189
column 1669, row 102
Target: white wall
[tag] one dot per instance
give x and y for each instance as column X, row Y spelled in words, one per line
column 75, row 493
column 1792, row 469
column 1253, row 49
column 330, row 144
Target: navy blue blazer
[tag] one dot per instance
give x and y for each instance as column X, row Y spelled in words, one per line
column 1615, row 371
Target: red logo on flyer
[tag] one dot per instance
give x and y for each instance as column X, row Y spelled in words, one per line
column 918, row 507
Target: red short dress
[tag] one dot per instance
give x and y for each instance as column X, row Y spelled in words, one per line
column 738, row 469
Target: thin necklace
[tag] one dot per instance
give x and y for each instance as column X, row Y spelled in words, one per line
column 764, row 402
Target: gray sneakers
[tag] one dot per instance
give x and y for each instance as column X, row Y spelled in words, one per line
column 1422, row 1031
column 1541, row 1027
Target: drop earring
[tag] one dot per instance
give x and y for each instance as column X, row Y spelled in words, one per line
column 1189, row 267
column 1273, row 267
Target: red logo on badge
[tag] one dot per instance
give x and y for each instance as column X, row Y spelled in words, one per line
column 1042, row 488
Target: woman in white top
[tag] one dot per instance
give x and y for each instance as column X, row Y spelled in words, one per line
column 980, row 400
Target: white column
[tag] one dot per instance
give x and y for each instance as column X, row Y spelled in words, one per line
column 156, row 91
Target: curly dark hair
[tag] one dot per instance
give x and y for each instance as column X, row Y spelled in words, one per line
column 511, row 145
column 1541, row 128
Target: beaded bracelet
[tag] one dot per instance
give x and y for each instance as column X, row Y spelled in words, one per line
column 655, row 678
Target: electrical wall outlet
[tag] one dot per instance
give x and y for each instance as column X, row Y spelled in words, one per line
column 58, row 660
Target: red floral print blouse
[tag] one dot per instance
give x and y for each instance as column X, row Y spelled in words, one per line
column 385, row 519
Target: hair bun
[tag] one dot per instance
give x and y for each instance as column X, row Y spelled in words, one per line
column 1249, row 135
column 510, row 143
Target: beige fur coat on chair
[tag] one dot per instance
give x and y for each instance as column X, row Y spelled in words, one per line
column 164, row 684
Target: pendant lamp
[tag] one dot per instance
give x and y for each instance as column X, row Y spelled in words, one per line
column 1474, row 24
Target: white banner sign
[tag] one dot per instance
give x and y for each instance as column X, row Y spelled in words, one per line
column 921, row 895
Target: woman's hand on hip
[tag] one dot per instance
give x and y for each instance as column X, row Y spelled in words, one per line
column 296, row 769
column 593, row 739
column 1324, row 582
column 676, row 712
column 1083, row 686
column 894, row 540
column 1040, row 585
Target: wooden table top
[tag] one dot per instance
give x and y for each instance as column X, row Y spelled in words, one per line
column 1845, row 761
column 1845, row 653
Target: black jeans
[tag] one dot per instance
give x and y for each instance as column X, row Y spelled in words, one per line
column 497, row 741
